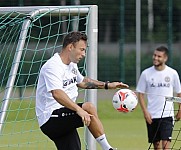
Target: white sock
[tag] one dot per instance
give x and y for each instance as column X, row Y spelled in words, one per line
column 103, row 142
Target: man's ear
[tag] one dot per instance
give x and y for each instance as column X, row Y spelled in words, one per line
column 70, row 47
column 166, row 58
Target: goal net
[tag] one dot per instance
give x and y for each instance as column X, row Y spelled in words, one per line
column 28, row 37
column 176, row 133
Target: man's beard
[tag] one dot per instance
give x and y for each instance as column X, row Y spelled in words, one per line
column 158, row 65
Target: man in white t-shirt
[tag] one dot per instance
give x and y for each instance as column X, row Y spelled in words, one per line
column 157, row 82
column 58, row 114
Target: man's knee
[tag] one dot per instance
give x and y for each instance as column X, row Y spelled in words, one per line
column 89, row 107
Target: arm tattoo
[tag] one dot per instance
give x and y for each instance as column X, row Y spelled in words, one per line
column 91, row 85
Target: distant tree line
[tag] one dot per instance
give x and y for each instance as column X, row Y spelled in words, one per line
column 109, row 17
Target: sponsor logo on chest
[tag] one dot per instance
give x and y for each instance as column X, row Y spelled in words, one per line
column 164, row 83
column 71, row 80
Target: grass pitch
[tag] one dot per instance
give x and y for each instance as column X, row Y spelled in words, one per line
column 126, row 131
column 123, row 130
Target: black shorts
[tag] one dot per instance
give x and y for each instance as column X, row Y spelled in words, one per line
column 61, row 128
column 160, row 129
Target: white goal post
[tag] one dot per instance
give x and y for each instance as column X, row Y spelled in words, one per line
column 31, row 14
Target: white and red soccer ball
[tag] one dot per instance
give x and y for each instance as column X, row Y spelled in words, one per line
column 125, row 100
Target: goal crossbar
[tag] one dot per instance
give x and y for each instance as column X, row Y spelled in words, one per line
column 41, row 9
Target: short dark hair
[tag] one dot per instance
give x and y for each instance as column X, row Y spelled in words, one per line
column 73, row 37
column 163, row 49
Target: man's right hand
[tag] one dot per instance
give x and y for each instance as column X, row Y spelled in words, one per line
column 86, row 117
column 148, row 117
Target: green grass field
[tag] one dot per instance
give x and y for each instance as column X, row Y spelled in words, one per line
column 124, row 131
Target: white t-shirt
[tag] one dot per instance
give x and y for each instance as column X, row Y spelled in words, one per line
column 55, row 75
column 157, row 84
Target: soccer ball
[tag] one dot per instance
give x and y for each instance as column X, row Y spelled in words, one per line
column 125, row 100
